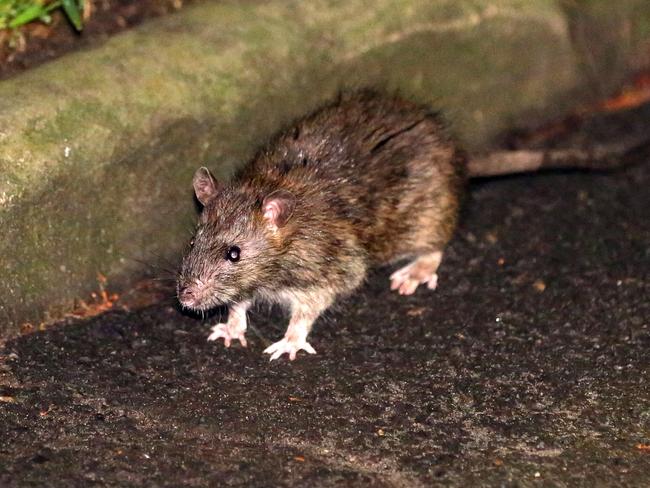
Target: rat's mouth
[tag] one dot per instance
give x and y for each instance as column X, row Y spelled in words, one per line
column 200, row 305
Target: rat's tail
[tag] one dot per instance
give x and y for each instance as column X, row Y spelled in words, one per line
column 599, row 157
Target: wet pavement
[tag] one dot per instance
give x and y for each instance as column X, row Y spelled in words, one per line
column 529, row 366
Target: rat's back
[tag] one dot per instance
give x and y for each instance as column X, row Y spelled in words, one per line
column 385, row 164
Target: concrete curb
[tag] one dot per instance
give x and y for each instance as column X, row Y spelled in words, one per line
column 97, row 148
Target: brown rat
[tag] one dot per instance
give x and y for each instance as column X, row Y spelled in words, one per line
column 366, row 180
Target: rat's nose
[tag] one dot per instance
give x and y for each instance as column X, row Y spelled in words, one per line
column 186, row 293
column 190, row 293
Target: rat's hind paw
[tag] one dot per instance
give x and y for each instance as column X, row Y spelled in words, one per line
column 422, row 270
column 228, row 333
column 407, row 285
column 289, row 347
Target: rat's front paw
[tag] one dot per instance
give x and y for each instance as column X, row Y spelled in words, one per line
column 290, row 347
column 228, row 332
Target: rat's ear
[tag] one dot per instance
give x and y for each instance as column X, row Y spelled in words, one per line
column 278, row 207
column 205, row 186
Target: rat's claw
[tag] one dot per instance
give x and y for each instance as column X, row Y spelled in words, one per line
column 289, row 347
column 228, row 333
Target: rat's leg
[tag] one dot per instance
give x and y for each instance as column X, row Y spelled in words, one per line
column 421, row 270
column 303, row 315
column 234, row 328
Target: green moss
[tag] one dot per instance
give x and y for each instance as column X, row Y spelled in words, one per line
column 72, row 122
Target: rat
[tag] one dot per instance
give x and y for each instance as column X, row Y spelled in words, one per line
column 365, row 180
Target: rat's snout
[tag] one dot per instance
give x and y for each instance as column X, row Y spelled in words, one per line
column 192, row 293
column 186, row 295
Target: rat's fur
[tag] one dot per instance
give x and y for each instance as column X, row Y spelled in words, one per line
column 373, row 179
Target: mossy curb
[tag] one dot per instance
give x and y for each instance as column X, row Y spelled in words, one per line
column 97, row 149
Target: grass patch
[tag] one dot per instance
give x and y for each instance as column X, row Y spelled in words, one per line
column 14, row 13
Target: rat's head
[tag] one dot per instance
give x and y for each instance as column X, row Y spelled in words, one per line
column 236, row 243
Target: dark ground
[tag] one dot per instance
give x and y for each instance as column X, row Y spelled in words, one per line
column 527, row 367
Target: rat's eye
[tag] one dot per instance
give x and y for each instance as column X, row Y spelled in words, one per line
column 233, row 254
column 192, row 243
